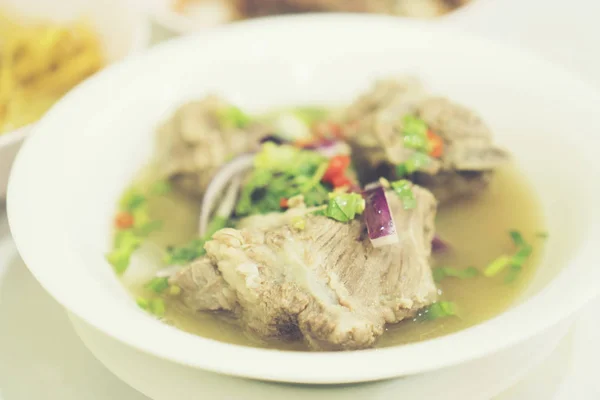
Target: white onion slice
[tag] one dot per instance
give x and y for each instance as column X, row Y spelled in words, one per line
column 218, row 184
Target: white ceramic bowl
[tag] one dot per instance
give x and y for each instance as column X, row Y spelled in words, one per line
column 71, row 171
column 122, row 27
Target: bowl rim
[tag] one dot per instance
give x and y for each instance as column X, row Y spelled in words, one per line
column 310, row 367
column 141, row 40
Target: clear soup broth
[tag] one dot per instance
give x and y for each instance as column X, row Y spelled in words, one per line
column 476, row 228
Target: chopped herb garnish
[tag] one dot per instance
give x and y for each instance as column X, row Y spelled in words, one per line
column 158, row 285
column 133, row 223
column 344, row 207
column 186, row 253
column 437, row 310
column 416, row 162
column 542, row 235
column 403, row 189
column 132, row 199
column 157, row 307
column 415, row 136
column 160, row 188
column 119, row 259
column 442, row 272
column 233, row 117
column 497, row 266
column 412, row 125
column 513, row 273
column 282, row 172
column 142, row 303
column 517, row 238
column 216, row 224
column 515, row 261
column 298, row 223
column 125, row 243
column 174, row 290
column 414, row 131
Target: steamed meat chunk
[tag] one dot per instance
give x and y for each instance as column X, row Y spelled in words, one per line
column 325, row 283
column 467, row 140
column 375, row 131
column 204, row 289
column 374, row 118
column 199, row 138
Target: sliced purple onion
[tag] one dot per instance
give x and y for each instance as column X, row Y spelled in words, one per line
column 219, row 183
column 331, row 147
column 438, row 245
column 378, row 217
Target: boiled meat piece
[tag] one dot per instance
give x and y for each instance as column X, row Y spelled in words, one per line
column 325, row 283
column 374, row 130
column 197, row 140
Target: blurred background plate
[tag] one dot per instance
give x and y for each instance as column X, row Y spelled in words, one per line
column 120, row 24
column 186, row 16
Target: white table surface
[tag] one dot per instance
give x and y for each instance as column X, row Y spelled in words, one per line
column 42, row 358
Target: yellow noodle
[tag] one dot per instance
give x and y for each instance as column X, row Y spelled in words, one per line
column 39, row 62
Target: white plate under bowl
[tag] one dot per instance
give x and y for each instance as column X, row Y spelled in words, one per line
column 60, row 211
column 160, row 379
column 121, row 26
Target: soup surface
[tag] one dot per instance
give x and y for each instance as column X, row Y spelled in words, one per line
column 391, row 220
column 476, row 228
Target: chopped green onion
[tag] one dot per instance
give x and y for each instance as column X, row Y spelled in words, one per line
column 497, row 266
column 515, row 261
column 521, row 255
column 414, row 131
column 127, row 239
column 160, row 188
column 513, row 273
column 216, row 224
column 233, row 117
column 416, row 162
column 413, row 125
column 174, row 290
column 143, row 225
column 119, row 259
column 154, row 306
column 142, row 303
column 132, row 199
column 282, row 172
column 158, row 285
column 125, row 243
column 517, row 238
column 344, row 207
column 185, row 254
column 442, row 272
column 314, row 181
column 437, row 310
column 542, row 235
column 157, row 307
column 298, row 223
column 403, row 189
